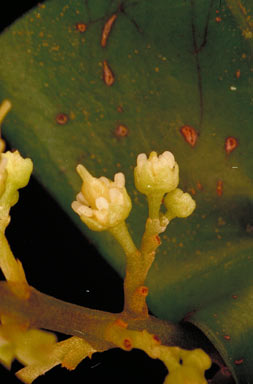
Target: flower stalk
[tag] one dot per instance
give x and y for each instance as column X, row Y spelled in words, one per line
column 103, row 204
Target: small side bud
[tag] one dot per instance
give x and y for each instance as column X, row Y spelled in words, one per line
column 178, row 204
column 18, row 174
column 4, row 109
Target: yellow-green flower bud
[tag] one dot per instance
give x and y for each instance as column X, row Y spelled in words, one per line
column 156, row 173
column 179, row 204
column 102, row 203
column 16, row 174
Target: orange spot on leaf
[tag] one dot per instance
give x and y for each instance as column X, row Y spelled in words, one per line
column 200, row 186
column 231, row 143
column 190, row 135
column 218, row 19
column 120, row 108
column 219, row 187
column 107, row 29
column 227, row 337
column 81, row 27
column 238, row 73
column 121, row 131
column 108, row 74
column 192, row 191
column 62, row 118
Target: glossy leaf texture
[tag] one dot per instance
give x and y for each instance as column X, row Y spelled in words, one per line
column 97, row 82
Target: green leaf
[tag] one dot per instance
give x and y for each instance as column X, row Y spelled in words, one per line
column 168, row 65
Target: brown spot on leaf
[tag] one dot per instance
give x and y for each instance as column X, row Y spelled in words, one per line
column 227, row 337
column 81, row 27
column 192, row 191
column 238, row 73
column 234, row 297
column 231, row 143
column 62, row 118
column 121, row 131
column 107, row 29
column 108, row 74
column 200, row 186
column 189, row 134
column 219, row 188
column 120, row 109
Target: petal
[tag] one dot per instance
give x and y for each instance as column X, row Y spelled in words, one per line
column 102, row 203
column 104, row 180
column 81, row 199
column 81, row 210
column 169, row 157
column 141, row 159
column 116, row 196
column 119, row 180
column 84, row 174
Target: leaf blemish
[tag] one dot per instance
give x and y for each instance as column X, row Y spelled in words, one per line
column 107, row 29
column 238, row 74
column 121, row 131
column 231, row 143
column 189, row 134
column 108, row 75
column 120, row 108
column 62, row 118
column 219, row 188
column 81, row 27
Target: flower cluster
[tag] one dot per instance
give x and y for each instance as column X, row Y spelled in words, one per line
column 102, row 203
column 159, row 175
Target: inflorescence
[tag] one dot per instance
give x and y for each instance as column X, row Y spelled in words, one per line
column 103, row 205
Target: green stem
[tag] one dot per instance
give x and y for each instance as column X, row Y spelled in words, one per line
column 10, row 267
column 154, row 203
column 122, row 235
column 44, row 311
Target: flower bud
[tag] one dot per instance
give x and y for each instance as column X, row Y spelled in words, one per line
column 15, row 173
column 179, row 204
column 156, row 173
column 102, row 203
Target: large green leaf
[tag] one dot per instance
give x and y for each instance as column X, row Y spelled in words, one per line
column 172, row 64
